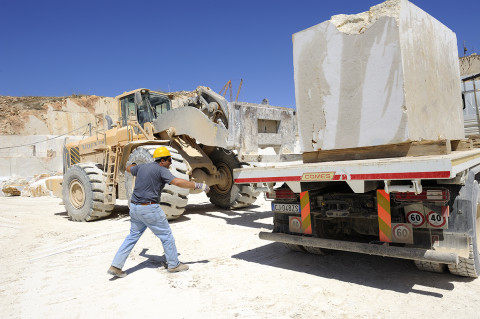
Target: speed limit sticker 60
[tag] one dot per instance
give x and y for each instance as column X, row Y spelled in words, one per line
column 402, row 233
column 416, row 218
column 436, row 220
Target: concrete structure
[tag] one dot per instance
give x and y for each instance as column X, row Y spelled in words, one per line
column 469, row 65
column 261, row 132
column 470, row 73
column 386, row 76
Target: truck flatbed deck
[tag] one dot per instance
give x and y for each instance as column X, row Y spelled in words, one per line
column 402, row 168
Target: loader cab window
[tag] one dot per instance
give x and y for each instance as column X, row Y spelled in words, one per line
column 160, row 103
column 128, row 107
column 150, row 107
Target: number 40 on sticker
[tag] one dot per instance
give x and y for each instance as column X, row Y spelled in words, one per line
column 437, row 220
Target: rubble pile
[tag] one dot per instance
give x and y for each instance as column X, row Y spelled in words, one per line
column 33, row 187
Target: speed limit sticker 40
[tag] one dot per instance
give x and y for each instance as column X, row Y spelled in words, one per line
column 437, row 220
column 402, row 233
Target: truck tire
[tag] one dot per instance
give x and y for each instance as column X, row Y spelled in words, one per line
column 308, row 249
column 430, row 266
column 173, row 199
column 470, row 267
column 83, row 191
column 294, row 247
column 316, row 250
column 227, row 195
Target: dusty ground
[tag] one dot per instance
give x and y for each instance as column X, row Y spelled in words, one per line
column 54, row 268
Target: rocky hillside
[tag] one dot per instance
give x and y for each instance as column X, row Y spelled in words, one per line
column 39, row 115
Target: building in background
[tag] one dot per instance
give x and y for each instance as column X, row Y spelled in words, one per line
column 470, row 75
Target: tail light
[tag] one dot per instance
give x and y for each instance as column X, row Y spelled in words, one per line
column 428, row 195
column 283, row 193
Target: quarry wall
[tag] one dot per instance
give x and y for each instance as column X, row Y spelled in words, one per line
column 33, row 130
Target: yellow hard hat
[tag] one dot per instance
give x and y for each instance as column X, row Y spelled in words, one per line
column 162, row 151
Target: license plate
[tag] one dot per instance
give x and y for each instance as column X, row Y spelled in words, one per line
column 289, row 208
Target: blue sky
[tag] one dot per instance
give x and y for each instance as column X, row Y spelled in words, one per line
column 57, row 48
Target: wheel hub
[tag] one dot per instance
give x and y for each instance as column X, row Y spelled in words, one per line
column 77, row 194
column 227, row 179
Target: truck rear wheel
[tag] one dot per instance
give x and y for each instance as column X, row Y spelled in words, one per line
column 430, row 266
column 316, row 250
column 173, row 199
column 470, row 267
column 294, row 247
column 83, row 191
column 227, row 195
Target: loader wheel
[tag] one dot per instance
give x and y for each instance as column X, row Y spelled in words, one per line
column 83, row 193
column 470, row 267
column 173, row 199
column 227, row 195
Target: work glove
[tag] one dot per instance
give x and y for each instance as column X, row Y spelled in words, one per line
column 202, row 186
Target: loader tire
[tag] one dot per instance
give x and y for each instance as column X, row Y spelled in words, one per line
column 228, row 195
column 173, row 199
column 83, row 193
column 470, row 267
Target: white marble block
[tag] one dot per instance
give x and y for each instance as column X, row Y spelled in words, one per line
column 385, row 76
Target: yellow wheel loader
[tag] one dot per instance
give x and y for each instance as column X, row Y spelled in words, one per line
column 192, row 125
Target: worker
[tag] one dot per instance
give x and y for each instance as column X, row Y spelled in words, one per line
column 145, row 210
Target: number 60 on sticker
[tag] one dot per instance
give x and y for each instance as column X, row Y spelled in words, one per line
column 402, row 233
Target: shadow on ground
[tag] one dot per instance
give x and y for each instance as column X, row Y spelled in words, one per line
column 374, row 271
column 155, row 261
column 246, row 217
column 118, row 212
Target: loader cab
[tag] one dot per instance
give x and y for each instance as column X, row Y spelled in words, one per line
column 143, row 104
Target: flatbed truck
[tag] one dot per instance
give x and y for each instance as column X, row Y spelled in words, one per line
column 423, row 208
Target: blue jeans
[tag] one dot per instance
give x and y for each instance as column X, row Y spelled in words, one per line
column 153, row 217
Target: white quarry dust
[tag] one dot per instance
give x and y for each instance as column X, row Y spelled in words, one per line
column 359, row 23
column 55, row 268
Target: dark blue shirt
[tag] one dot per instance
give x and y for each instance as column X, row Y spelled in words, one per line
column 151, row 179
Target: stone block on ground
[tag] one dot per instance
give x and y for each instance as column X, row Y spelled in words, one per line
column 54, row 185
column 12, row 190
column 13, row 186
column 37, row 187
column 386, row 76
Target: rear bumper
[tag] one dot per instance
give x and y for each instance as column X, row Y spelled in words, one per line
column 370, row 249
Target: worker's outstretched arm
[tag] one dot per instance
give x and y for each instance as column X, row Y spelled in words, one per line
column 130, row 166
column 183, row 183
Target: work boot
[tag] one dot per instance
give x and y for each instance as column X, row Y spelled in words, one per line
column 117, row 272
column 180, row 267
